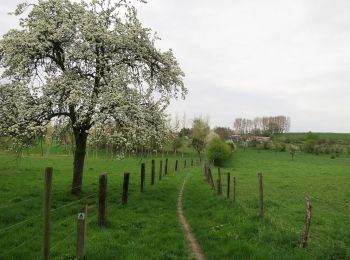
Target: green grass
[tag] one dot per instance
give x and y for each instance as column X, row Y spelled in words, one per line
column 233, row 230
column 325, row 136
column 147, row 228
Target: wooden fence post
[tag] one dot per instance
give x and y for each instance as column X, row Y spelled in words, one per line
column 47, row 210
column 160, row 169
column 185, row 163
column 176, row 162
column 143, row 172
column 205, row 170
column 261, row 195
column 228, row 185
column 234, row 188
column 153, row 172
column 220, row 182
column 102, row 200
column 166, row 167
column 305, row 234
column 125, row 188
column 81, row 233
column 211, row 178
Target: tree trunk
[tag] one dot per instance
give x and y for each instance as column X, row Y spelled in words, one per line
column 80, row 137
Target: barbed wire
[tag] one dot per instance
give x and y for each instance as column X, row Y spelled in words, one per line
column 73, row 202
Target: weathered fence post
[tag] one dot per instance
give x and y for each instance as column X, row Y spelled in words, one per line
column 219, row 186
column 166, row 167
column 153, row 172
column 47, row 209
column 228, row 185
column 205, row 168
column 143, row 172
column 211, row 178
column 102, row 200
column 160, row 169
column 185, row 163
column 305, row 234
column 220, row 182
column 125, row 188
column 176, row 162
column 81, row 233
column 261, row 195
column 234, row 188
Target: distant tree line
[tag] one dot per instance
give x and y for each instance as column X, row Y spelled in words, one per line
column 262, row 125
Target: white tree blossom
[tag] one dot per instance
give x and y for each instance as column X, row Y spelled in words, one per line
column 90, row 62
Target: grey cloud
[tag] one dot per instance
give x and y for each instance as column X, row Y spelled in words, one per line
column 254, row 58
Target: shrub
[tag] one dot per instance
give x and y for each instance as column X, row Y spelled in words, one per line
column 218, row 151
column 268, row 145
column 293, row 149
column 231, row 144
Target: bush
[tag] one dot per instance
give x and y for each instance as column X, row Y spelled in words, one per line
column 218, row 151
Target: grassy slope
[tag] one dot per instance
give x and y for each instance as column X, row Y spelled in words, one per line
column 329, row 136
column 230, row 230
column 146, row 228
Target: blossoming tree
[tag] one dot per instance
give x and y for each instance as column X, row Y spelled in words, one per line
column 91, row 62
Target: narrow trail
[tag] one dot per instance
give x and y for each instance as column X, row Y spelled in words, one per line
column 193, row 244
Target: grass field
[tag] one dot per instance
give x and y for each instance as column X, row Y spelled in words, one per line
column 148, row 228
column 227, row 229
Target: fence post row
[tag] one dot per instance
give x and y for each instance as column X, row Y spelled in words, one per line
column 125, row 188
column 261, row 195
column 143, row 169
column 305, row 234
column 153, row 172
column 102, row 200
column 47, row 209
column 81, row 233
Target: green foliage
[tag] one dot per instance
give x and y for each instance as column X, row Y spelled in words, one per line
column 177, row 143
column 198, row 145
column 200, row 130
column 225, row 133
column 218, row 151
column 312, row 136
column 185, row 132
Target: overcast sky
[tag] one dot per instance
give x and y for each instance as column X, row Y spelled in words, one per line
column 248, row 58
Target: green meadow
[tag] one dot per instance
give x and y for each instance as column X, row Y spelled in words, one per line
column 148, row 227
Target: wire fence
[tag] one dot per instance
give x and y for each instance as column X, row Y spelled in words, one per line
column 330, row 217
column 63, row 218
